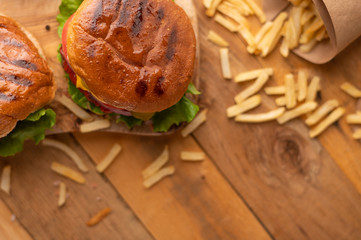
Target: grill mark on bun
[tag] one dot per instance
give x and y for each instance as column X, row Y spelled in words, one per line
column 24, row 64
column 3, row 25
column 158, row 89
column 138, row 21
column 160, row 14
column 97, row 14
column 124, row 13
column 171, row 44
column 16, row 80
column 7, row 98
column 141, row 88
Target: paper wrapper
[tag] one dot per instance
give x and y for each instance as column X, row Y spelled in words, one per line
column 342, row 20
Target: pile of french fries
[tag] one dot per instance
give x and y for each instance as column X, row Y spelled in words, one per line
column 301, row 28
column 294, row 99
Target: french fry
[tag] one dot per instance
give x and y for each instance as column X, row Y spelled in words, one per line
column 207, row 3
column 95, row 125
column 246, row 34
column 307, row 15
column 305, row 48
column 302, row 85
column 295, row 17
column 98, row 217
column 353, row 119
column 310, row 32
column 257, row 10
column 253, row 89
column 262, row 32
column 157, row 164
column 244, row 106
column 270, row 40
column 68, row 151
column 216, row 39
column 231, row 26
column 281, row 101
column 233, row 14
column 328, row 121
column 278, row 90
column 295, row 2
column 67, row 172
column 296, row 112
column 321, row 112
column 351, row 90
column 315, row 26
column 321, row 34
column 226, row 67
column 62, row 194
column 250, row 75
column 284, row 49
column 5, row 179
column 213, row 7
column 109, row 158
column 313, row 88
column 159, row 175
column 241, row 6
column 192, row 156
column 74, row 108
column 261, row 117
column 290, row 93
column 197, row 122
column 357, row 134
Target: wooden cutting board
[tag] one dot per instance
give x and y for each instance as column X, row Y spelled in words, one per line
column 259, row 181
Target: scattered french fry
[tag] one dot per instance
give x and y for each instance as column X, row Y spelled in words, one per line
column 321, row 112
column 296, row 112
column 253, row 89
column 197, row 121
column 212, row 7
column 216, row 39
column 95, row 125
column 232, row 13
column 74, row 108
column 351, row 90
column 62, row 194
column 262, row 117
column 192, row 156
column 357, row 134
column 109, row 158
column 226, row 67
column 302, row 85
column 159, row 175
column 250, row 75
column 290, row 93
column 246, row 34
column 323, row 125
column 281, row 101
column 312, row 90
column 68, row 151
column 231, row 26
column 353, row 119
column 207, row 3
column 278, row 90
column 257, row 10
column 67, row 172
column 244, row 106
column 262, row 32
column 157, row 164
column 98, row 217
column 5, row 179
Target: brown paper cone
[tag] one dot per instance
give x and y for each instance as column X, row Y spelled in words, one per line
column 342, row 20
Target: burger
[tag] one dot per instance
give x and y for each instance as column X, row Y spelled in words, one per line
column 26, row 86
column 132, row 60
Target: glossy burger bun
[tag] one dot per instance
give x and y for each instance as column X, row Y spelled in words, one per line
column 135, row 55
column 27, row 83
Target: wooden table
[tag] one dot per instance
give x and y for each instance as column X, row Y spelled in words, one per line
column 259, row 181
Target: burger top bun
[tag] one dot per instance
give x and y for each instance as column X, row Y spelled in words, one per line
column 26, row 82
column 136, row 55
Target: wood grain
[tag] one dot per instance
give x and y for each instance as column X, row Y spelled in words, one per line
column 196, row 203
column 9, row 226
column 34, row 199
column 291, row 182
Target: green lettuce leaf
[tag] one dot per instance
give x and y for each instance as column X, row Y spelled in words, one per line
column 193, row 90
column 129, row 121
column 79, row 98
column 184, row 111
column 66, row 9
column 32, row 127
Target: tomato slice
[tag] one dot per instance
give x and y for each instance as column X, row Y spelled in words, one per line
column 64, row 35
